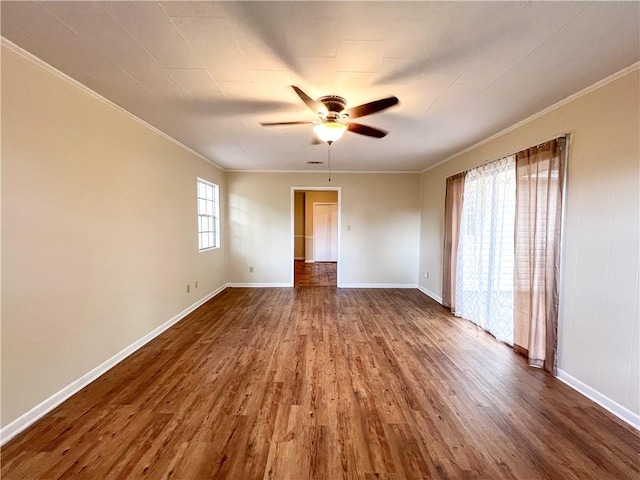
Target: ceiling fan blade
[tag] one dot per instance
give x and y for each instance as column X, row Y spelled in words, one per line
column 316, row 141
column 371, row 107
column 271, row 124
column 229, row 107
column 260, row 18
column 365, row 130
column 310, row 102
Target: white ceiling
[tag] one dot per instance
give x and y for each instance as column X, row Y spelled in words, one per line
column 206, row 73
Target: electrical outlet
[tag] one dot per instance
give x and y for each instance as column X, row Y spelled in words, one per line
column 188, row 288
column 251, row 269
column 426, row 275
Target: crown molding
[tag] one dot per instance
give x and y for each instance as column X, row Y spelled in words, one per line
column 585, row 91
column 63, row 76
column 333, row 172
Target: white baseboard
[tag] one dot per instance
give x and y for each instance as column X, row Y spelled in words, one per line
column 260, row 285
column 298, row 258
column 605, row 402
column 430, row 294
column 377, row 285
column 309, row 261
column 40, row 410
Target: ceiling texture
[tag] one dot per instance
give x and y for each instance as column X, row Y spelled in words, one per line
column 207, row 73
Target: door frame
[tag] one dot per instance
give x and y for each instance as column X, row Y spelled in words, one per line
column 293, row 232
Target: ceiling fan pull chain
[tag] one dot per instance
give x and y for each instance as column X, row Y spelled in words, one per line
column 329, row 160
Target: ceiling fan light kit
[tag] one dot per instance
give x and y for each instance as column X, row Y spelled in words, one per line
column 329, row 131
column 334, row 116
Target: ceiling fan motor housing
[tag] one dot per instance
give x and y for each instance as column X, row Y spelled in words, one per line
column 335, row 105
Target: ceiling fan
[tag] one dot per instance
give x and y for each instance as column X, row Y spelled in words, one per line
column 334, row 117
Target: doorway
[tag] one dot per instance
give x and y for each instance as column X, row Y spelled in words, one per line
column 315, row 225
column 325, row 232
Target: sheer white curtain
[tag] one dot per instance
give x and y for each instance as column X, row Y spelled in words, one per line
column 484, row 273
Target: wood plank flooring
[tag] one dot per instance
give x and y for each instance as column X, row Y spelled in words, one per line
column 325, row 383
column 315, row 274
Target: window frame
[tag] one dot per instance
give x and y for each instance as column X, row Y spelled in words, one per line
column 213, row 219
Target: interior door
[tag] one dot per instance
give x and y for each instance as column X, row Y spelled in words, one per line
column 325, row 232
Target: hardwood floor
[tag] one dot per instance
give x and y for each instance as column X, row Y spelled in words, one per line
column 315, row 274
column 325, row 383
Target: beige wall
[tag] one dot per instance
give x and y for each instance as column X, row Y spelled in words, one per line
column 98, row 233
column 599, row 327
column 381, row 209
column 299, row 225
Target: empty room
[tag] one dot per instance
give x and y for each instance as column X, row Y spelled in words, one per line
column 320, row 240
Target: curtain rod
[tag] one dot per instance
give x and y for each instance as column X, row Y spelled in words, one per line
column 560, row 135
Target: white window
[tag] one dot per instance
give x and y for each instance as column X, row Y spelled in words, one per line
column 208, row 215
